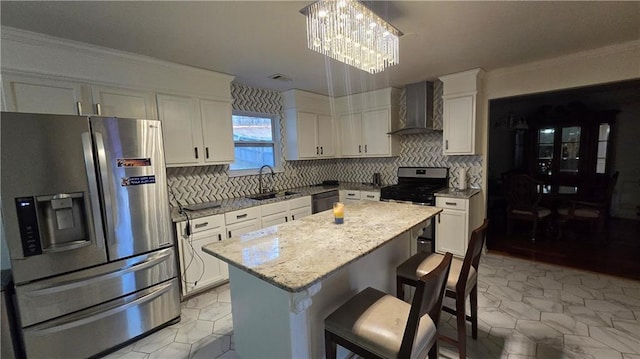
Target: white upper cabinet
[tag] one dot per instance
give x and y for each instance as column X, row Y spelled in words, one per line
column 196, row 131
column 364, row 121
column 42, row 95
column 122, row 102
column 181, row 128
column 217, row 131
column 196, row 116
column 350, row 135
column 310, row 131
column 460, row 93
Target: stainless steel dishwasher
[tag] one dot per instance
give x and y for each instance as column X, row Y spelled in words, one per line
column 324, row 201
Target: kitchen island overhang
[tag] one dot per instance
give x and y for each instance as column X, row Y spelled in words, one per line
column 285, row 279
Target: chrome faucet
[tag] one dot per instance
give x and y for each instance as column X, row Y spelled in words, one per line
column 260, row 189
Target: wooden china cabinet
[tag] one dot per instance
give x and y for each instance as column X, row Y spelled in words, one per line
column 571, row 148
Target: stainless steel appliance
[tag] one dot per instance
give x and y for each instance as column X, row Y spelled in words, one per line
column 324, row 201
column 418, row 185
column 87, row 223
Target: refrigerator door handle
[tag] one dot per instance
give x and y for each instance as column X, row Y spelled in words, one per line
column 93, row 189
column 59, row 287
column 93, row 316
column 106, row 187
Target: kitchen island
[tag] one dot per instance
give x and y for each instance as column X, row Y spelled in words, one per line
column 287, row 278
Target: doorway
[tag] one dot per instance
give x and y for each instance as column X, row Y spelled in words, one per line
column 515, row 145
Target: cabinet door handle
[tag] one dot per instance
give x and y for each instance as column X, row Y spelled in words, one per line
column 293, row 217
column 317, row 150
column 219, row 236
column 446, row 144
column 286, row 219
column 206, row 152
column 242, row 215
column 79, row 107
column 230, row 232
column 451, row 203
column 438, row 217
column 200, row 225
column 99, row 109
column 195, row 149
column 321, row 150
column 359, row 148
column 365, row 148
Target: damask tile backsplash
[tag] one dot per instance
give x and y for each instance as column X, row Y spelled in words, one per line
column 210, row 183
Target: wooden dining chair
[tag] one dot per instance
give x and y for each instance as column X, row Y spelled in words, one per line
column 523, row 194
column 374, row 324
column 462, row 282
column 592, row 208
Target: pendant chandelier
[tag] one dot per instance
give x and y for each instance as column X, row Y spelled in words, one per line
column 347, row 31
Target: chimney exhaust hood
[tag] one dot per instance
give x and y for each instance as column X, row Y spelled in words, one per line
column 419, row 97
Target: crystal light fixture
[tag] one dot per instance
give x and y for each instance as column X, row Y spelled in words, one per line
column 346, row 30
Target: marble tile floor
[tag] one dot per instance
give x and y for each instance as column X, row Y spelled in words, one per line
column 526, row 310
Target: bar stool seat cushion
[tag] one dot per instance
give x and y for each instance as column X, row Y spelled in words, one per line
column 423, row 262
column 542, row 212
column 376, row 322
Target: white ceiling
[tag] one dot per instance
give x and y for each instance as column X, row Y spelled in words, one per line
column 253, row 40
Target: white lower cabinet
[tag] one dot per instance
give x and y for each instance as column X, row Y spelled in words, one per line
column 299, row 207
column 370, row 195
column 200, row 270
column 242, row 221
column 347, row 196
column 274, row 213
column 455, row 224
column 285, row 211
column 353, row 195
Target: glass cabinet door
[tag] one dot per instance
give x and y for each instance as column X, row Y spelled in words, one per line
column 570, row 146
column 545, row 150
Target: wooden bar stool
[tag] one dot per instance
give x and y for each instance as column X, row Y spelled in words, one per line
column 462, row 282
column 374, row 324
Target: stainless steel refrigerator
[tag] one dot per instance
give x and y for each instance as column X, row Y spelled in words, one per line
column 86, row 218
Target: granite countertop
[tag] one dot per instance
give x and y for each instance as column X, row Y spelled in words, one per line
column 233, row 204
column 457, row 193
column 295, row 255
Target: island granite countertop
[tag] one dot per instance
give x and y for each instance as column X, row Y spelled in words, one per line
column 295, row 255
column 233, row 204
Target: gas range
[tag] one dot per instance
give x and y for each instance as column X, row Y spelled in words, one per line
column 417, row 185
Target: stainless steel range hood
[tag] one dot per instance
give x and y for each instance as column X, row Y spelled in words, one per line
column 419, row 98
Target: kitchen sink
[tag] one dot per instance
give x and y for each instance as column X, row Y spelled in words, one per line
column 269, row 195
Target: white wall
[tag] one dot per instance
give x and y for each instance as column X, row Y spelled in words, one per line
column 609, row 64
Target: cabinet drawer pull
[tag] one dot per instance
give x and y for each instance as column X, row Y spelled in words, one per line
column 195, row 149
column 241, row 215
column 370, row 196
column 351, row 194
column 219, row 236
column 200, row 225
column 206, row 152
column 451, row 203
